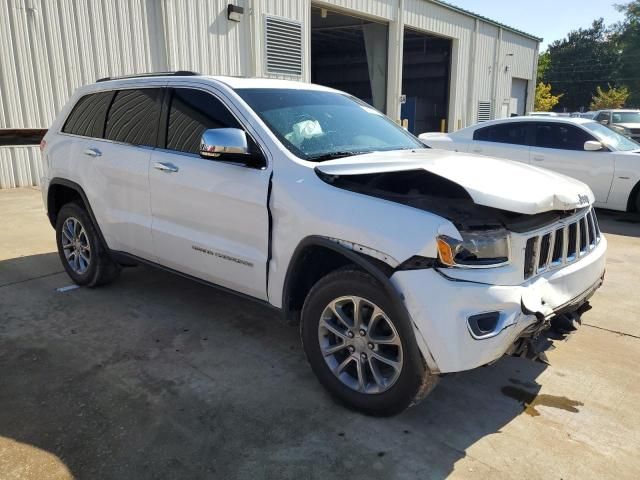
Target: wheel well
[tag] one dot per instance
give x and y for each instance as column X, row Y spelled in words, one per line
column 632, row 203
column 311, row 264
column 57, row 197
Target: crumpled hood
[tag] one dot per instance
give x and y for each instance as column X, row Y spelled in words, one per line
column 492, row 182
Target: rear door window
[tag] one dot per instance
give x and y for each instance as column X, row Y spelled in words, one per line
column 512, row 133
column 133, row 117
column 88, row 115
column 191, row 112
column 562, row 137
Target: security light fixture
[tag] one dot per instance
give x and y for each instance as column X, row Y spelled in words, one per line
column 234, row 12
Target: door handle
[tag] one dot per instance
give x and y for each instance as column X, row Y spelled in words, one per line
column 93, row 152
column 165, row 167
column 538, row 158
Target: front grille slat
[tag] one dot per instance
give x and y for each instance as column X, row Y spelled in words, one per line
column 592, row 230
column 558, row 247
column 545, row 244
column 571, row 242
column 562, row 245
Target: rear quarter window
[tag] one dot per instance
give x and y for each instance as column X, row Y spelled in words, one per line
column 88, row 115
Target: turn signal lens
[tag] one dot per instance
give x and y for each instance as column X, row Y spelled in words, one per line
column 445, row 254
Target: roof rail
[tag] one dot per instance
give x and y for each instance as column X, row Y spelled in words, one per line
column 177, row 73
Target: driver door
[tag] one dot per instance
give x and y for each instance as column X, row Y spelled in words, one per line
column 209, row 217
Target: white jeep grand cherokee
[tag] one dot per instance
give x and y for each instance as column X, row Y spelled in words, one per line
column 400, row 263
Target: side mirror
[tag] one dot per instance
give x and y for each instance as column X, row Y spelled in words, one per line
column 592, row 146
column 604, row 122
column 231, row 145
column 220, row 142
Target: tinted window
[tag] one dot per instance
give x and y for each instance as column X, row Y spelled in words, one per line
column 133, row 116
column 602, row 116
column 88, row 116
column 513, row 133
column 563, row 137
column 190, row 114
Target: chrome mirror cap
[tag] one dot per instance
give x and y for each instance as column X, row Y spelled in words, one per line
column 592, row 146
column 218, row 142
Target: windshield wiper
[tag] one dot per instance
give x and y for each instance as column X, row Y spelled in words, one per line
column 333, row 155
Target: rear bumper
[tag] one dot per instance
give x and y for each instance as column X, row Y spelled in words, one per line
column 440, row 308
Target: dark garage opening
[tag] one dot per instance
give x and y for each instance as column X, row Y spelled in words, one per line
column 426, row 67
column 350, row 54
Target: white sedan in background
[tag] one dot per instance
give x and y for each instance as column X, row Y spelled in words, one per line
column 580, row 148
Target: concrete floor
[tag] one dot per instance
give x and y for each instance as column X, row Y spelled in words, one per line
column 155, row 376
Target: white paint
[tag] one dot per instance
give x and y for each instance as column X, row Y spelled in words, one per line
column 611, row 175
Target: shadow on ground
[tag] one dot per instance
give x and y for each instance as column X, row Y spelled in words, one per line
column 155, row 376
column 619, row 223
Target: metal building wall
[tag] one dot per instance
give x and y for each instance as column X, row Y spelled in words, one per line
column 50, row 47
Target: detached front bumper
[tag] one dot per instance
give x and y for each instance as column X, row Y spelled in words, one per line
column 441, row 307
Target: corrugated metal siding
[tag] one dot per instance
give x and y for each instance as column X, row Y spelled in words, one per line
column 20, row 167
column 484, row 62
column 382, row 9
column 199, row 37
column 50, row 47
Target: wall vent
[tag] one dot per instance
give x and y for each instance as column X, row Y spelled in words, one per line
column 283, row 41
column 484, row 111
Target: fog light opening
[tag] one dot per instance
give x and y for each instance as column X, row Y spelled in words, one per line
column 483, row 324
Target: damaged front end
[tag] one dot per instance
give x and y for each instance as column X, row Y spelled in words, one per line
column 422, row 189
column 507, row 272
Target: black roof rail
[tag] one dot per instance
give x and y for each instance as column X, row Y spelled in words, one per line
column 177, row 73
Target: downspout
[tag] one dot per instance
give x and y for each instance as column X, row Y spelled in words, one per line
column 471, row 97
column 394, row 66
column 497, row 55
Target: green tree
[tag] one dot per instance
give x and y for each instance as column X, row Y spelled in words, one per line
column 545, row 101
column 627, row 37
column 610, row 98
column 582, row 61
column 544, row 60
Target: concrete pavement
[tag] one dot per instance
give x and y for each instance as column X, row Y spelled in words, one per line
column 155, row 376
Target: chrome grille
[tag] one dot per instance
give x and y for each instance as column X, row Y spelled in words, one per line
column 561, row 245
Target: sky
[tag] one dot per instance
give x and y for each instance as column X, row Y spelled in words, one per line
column 549, row 19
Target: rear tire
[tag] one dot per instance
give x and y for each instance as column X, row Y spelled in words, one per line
column 379, row 367
column 83, row 256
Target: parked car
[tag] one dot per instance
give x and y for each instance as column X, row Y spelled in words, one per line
column 588, row 115
column 399, row 262
column 583, row 149
column 626, row 122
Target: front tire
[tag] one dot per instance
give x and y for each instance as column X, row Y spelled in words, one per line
column 360, row 347
column 83, row 256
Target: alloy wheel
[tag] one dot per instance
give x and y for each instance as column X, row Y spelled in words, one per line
column 360, row 344
column 75, row 245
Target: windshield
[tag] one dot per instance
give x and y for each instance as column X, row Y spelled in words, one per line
column 610, row 137
column 625, row 117
column 316, row 125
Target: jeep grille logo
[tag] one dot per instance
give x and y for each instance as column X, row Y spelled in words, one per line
column 583, row 199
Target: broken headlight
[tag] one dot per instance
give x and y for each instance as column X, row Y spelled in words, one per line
column 478, row 248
